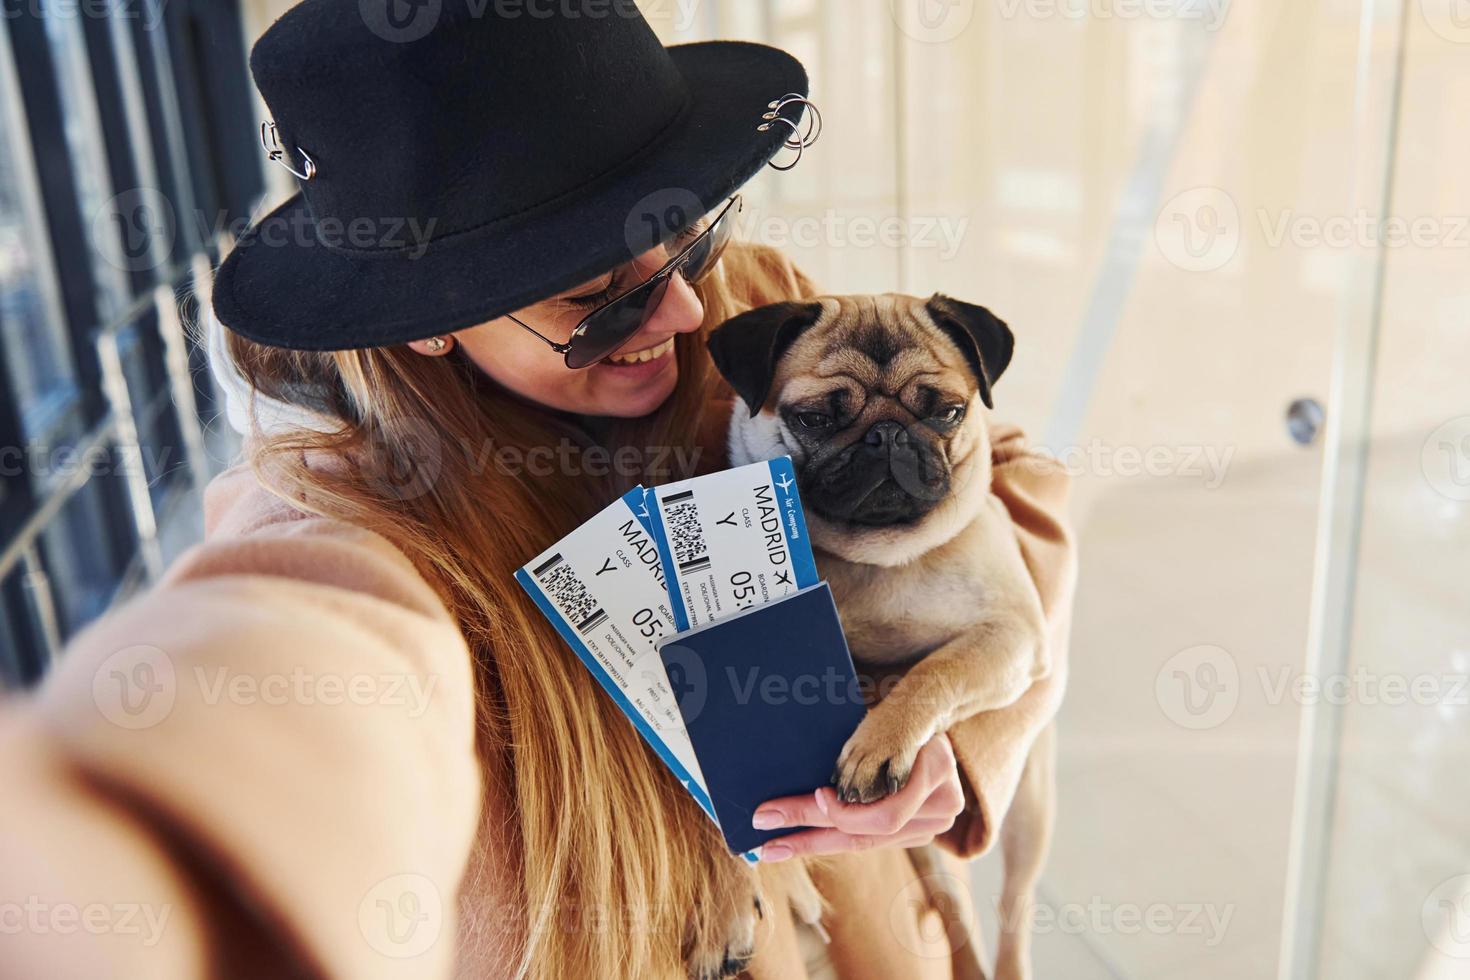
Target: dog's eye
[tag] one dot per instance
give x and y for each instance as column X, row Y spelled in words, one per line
column 813, row 420
column 951, row 415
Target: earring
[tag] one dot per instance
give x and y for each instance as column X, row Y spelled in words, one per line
column 437, row 345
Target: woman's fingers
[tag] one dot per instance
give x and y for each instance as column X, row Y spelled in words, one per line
column 810, row 843
column 933, row 791
column 791, row 811
column 935, row 763
column 823, row 809
column 947, row 799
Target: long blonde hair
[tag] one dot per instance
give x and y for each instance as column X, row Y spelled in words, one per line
column 615, row 856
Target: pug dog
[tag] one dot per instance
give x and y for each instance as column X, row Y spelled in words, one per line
column 881, row 402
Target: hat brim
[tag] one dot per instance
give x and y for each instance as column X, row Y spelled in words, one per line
column 286, row 288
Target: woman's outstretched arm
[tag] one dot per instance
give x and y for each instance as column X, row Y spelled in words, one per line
column 264, row 766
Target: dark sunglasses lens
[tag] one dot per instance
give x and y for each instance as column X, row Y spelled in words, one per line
column 614, row 325
column 707, row 251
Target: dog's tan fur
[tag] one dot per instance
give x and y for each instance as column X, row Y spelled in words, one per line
column 947, row 593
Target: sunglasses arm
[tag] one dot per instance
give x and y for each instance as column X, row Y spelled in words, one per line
column 559, row 348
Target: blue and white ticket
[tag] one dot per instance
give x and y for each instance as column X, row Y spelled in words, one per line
column 602, row 587
column 731, row 540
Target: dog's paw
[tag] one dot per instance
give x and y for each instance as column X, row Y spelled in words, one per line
column 876, row 762
column 801, row 892
column 729, row 950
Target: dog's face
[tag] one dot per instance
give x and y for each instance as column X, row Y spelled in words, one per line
column 880, row 401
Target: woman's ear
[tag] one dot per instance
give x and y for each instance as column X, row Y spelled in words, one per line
column 433, row 346
column 982, row 337
column 746, row 348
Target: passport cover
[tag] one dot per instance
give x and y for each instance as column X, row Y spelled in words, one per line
column 769, row 697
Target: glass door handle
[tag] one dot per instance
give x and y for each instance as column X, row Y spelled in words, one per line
column 1304, row 420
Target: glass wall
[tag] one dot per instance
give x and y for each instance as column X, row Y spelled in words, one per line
column 1396, row 885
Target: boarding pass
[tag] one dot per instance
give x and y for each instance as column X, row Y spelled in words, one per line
column 731, row 540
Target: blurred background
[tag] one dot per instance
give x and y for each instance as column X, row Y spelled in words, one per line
column 1233, row 241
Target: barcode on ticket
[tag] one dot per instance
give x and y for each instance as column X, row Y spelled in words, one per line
column 686, row 537
column 569, row 593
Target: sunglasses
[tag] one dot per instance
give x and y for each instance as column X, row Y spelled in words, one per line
column 614, row 323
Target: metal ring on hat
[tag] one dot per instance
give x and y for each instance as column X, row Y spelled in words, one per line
column 814, row 123
column 790, row 144
column 271, row 140
column 798, row 140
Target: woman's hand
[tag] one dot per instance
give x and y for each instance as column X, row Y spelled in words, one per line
column 926, row 807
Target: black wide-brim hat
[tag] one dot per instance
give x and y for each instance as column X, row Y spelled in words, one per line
column 467, row 158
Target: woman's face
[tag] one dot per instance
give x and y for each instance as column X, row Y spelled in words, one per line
column 631, row 383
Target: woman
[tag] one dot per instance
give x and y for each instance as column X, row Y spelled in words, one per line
column 337, row 740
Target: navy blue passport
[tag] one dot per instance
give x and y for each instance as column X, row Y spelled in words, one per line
column 769, row 697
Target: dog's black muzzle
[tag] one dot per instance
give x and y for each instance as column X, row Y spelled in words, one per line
column 893, row 475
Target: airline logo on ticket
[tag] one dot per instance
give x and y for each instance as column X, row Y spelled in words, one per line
column 602, row 587
column 731, row 540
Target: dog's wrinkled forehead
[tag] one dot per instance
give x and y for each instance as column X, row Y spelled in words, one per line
column 882, row 342
column 885, row 344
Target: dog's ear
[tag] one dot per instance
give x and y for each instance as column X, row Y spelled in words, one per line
column 746, row 348
column 982, row 337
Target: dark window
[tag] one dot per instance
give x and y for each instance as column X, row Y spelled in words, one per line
column 128, row 144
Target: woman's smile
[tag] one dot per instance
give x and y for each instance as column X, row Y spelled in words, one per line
column 643, row 354
column 640, row 368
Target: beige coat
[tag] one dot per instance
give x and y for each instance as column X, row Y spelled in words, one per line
column 266, row 767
